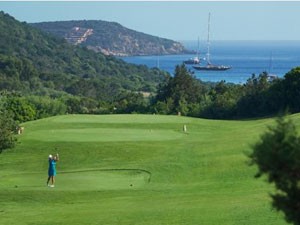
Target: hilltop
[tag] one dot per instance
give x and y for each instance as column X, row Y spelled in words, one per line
column 111, row 38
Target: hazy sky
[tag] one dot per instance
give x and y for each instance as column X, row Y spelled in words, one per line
column 177, row 20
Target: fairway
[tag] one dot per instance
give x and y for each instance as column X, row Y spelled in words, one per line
column 125, row 132
column 136, row 169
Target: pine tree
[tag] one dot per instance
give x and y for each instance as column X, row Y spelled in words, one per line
column 277, row 155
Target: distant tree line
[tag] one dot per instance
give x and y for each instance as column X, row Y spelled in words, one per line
column 258, row 97
column 182, row 93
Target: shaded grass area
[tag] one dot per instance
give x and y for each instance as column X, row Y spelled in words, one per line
column 198, row 177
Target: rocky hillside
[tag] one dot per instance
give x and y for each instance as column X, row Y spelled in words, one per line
column 111, row 38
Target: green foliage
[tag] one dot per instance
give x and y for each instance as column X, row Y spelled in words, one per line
column 129, row 102
column 291, row 87
column 178, row 93
column 20, row 108
column 7, row 128
column 221, row 101
column 17, row 74
column 277, row 155
column 45, row 106
column 254, row 102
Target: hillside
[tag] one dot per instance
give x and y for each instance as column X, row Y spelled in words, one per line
column 32, row 61
column 111, row 38
column 136, row 169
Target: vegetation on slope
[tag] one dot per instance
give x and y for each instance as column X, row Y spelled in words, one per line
column 33, row 62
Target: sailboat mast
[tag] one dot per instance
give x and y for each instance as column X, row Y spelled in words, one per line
column 208, row 41
column 270, row 63
column 209, row 66
column 198, row 49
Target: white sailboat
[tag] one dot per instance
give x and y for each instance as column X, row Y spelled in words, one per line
column 209, row 65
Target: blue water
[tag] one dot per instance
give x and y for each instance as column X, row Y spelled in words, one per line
column 245, row 57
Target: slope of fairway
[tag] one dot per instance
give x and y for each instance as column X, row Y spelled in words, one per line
column 136, row 169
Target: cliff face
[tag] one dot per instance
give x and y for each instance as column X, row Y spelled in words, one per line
column 111, row 38
column 78, row 35
column 127, row 45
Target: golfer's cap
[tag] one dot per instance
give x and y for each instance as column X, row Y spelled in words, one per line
column 50, row 156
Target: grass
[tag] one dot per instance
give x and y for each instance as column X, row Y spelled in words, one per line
column 136, row 169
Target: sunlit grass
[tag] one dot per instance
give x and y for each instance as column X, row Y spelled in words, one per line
column 136, row 169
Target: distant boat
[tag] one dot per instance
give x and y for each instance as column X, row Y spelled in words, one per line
column 272, row 77
column 192, row 61
column 195, row 60
column 212, row 67
column 209, row 65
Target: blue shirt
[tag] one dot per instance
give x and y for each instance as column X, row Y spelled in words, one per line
column 52, row 167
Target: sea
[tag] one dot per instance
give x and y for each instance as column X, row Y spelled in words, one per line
column 245, row 58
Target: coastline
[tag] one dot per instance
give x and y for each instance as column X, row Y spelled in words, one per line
column 245, row 57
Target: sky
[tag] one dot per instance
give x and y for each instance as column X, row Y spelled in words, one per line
column 176, row 20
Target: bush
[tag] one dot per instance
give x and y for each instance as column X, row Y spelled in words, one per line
column 7, row 129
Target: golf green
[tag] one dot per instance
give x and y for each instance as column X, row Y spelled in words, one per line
column 109, row 179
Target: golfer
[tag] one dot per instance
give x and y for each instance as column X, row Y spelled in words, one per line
column 52, row 169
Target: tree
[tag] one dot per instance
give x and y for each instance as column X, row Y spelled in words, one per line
column 130, row 102
column 183, row 90
column 20, row 108
column 277, row 155
column 45, row 106
column 185, row 87
column 221, row 101
column 291, row 92
column 254, row 101
column 7, row 128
